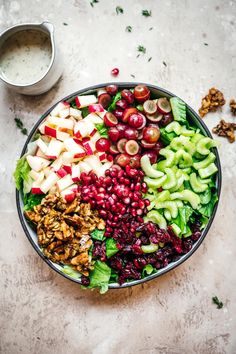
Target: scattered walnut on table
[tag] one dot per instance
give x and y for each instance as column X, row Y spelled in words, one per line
column 232, row 104
column 225, row 129
column 63, row 230
column 211, row 102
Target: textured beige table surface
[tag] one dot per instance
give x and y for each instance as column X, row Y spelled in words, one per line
column 41, row 312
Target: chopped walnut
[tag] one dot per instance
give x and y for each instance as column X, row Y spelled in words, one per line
column 232, row 104
column 225, row 129
column 63, row 230
column 211, row 102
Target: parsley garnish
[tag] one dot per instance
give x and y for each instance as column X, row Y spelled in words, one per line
column 93, row 2
column 206, row 44
column 132, row 75
column 65, row 24
column 20, row 126
column 141, row 49
column 150, row 59
column 119, row 10
column 147, row 13
column 164, row 63
column 151, row 28
column 216, row 301
column 128, row 29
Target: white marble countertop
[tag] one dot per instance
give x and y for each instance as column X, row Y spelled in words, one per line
column 41, row 312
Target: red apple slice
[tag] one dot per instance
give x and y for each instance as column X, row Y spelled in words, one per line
column 84, row 101
column 76, row 113
column 61, row 122
column 75, row 173
column 95, row 108
column 64, row 182
column 42, row 145
column 54, row 149
column 37, row 163
column 61, row 172
column 60, row 107
column 49, row 182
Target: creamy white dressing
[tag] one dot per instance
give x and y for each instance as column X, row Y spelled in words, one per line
column 25, row 56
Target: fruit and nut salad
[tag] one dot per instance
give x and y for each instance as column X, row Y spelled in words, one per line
column 118, row 184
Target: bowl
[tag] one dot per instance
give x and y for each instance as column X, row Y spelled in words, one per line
column 192, row 116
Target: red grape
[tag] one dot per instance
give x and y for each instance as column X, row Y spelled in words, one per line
column 102, row 145
column 141, row 93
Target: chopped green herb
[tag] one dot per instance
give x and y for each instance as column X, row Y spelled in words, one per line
column 119, row 10
column 84, row 111
column 102, row 129
column 20, row 126
column 133, row 76
column 93, row 2
column 150, row 59
column 116, row 98
column 206, row 44
column 216, row 301
column 73, row 104
column 141, row 49
column 151, row 28
column 21, row 173
column 30, row 200
column 147, row 13
column 147, row 270
column 164, row 63
column 65, row 24
column 128, row 29
column 140, row 107
column 111, row 247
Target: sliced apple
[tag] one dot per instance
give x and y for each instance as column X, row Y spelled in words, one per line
column 61, row 172
column 76, row 113
column 49, row 182
column 60, row 107
column 61, row 122
column 97, row 107
column 37, row 176
column 68, row 158
column 42, row 145
column 68, row 168
column 47, row 171
column 94, row 162
column 75, row 175
column 85, row 167
column 40, row 154
column 65, row 112
column 51, row 131
column 62, row 135
column 54, row 149
column 56, row 165
column 80, row 129
column 94, row 118
column 64, row 182
column 37, row 163
column 72, row 146
column 84, row 101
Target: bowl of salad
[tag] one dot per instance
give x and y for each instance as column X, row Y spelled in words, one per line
column 117, row 184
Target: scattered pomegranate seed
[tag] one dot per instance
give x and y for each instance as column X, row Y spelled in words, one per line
column 115, row 72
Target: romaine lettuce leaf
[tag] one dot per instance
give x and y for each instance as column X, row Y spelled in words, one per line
column 184, row 214
column 98, row 235
column 148, row 270
column 102, row 129
column 111, row 247
column 166, row 138
column 100, row 276
column 21, row 173
column 207, row 209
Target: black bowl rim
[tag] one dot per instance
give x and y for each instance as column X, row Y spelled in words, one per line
column 172, row 265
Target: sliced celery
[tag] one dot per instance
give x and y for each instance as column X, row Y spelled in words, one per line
column 197, row 137
column 204, row 163
column 183, row 158
column 167, row 214
column 157, row 218
column 187, row 196
column 160, row 166
column 187, row 132
column 171, row 180
column 155, row 183
column 149, row 248
column 196, row 183
column 170, row 205
column 176, row 229
column 204, row 145
column 178, row 109
column 152, row 205
column 183, row 142
column 208, row 171
column 162, row 196
column 174, row 127
column 169, row 155
column 148, row 168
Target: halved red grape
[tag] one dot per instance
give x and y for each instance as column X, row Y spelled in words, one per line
column 122, row 160
column 113, row 134
column 166, row 119
column 118, row 113
column 121, row 145
column 102, row 145
column 163, row 105
column 146, row 145
column 150, row 107
column 113, row 150
column 104, row 99
column 132, row 147
column 151, row 134
column 152, row 154
column 121, row 128
column 140, row 134
column 137, row 120
column 154, row 117
column 128, row 96
column 110, row 120
column 127, row 113
column 135, row 161
column 111, row 89
column 123, row 104
column 141, row 93
column 131, row 133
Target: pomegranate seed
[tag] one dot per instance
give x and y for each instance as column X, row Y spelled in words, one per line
column 122, row 180
column 147, row 202
column 113, row 224
column 111, row 201
column 114, row 197
column 122, row 211
column 107, row 204
column 115, row 71
column 107, row 180
column 107, row 234
column 135, row 197
column 99, row 197
column 126, row 200
column 133, row 212
column 132, row 186
column 139, row 212
column 103, row 213
column 137, row 187
column 101, row 190
column 109, row 229
column 141, row 204
column 115, row 218
column 126, row 181
column 120, row 173
column 107, row 172
column 135, row 204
